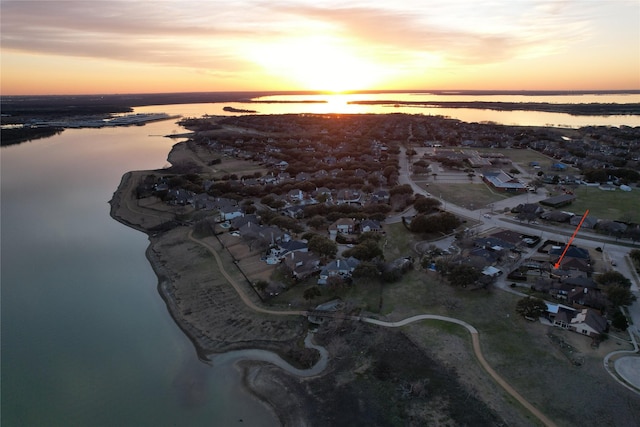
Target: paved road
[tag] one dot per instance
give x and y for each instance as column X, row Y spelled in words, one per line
column 612, row 248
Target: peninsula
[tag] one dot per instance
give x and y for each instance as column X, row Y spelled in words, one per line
column 267, row 226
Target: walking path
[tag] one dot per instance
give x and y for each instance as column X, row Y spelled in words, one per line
column 247, row 301
column 473, row 331
column 478, row 352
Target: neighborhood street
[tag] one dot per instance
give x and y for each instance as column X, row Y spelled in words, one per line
column 613, row 252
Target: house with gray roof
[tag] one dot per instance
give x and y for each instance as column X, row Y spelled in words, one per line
column 558, row 201
column 502, row 181
column 588, row 322
column 301, row 264
column 338, row 268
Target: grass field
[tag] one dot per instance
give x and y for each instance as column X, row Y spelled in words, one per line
column 613, row 205
column 469, row 195
column 525, row 157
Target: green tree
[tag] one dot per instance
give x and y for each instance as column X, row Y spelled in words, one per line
column 317, row 221
column 446, row 222
column 463, row 275
column 619, row 321
column 613, row 278
column 531, row 307
column 426, row 204
column 322, row 246
column 401, row 189
column 619, row 295
column 287, row 223
column 364, row 251
column 420, row 224
column 366, row 270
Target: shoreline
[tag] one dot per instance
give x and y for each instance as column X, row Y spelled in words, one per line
column 161, row 274
column 260, row 379
column 171, row 282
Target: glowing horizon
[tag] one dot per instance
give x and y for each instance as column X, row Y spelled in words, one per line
column 106, row 47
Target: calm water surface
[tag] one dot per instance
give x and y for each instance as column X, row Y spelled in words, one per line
column 86, row 339
column 340, row 104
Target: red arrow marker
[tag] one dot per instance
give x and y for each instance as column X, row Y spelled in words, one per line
column 557, row 264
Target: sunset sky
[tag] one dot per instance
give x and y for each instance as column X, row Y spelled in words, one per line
column 82, row 47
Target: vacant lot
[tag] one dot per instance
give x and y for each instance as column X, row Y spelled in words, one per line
column 469, row 195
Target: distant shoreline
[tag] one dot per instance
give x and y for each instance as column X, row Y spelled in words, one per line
column 585, row 109
column 17, row 105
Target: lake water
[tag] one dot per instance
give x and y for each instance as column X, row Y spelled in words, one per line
column 337, row 103
column 86, row 338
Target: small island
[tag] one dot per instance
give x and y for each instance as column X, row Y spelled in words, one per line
column 237, row 110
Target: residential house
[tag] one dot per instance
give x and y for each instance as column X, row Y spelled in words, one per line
column 589, row 221
column 294, row 211
column 369, row 225
column 301, row 264
column 558, row 201
column 581, row 297
column 560, row 315
column 286, row 247
column 556, row 216
column 241, row 221
column 229, row 212
column 343, row 226
column 303, row 176
column 508, row 236
column 502, row 181
column 203, row 201
column 348, row 196
column 493, row 243
column 282, row 165
column 338, row 268
column 589, row 322
column 612, row 227
column 380, row 196
column 295, row 196
column 179, row 196
column 483, row 256
column 528, row 211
